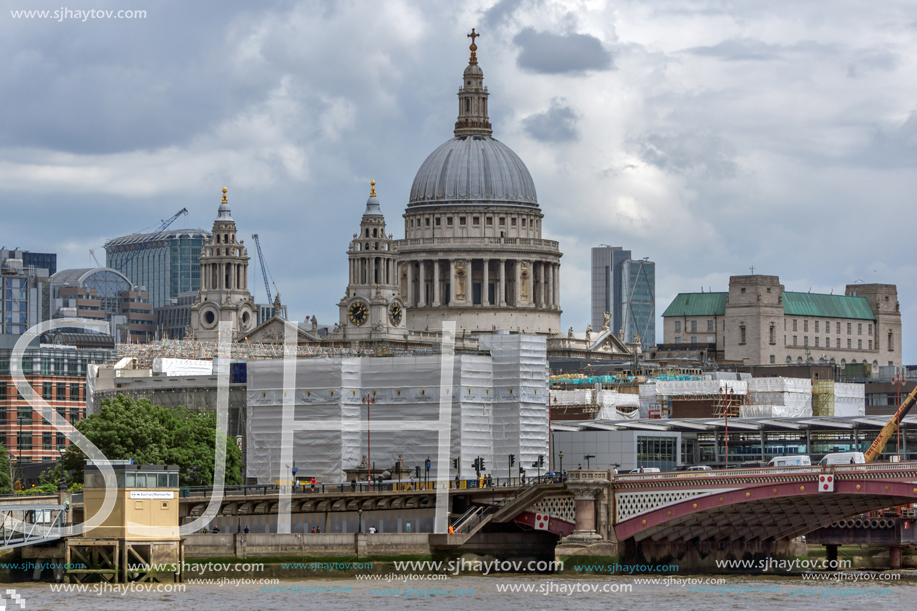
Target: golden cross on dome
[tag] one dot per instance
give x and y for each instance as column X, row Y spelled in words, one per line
column 473, row 47
column 224, row 194
column 372, row 191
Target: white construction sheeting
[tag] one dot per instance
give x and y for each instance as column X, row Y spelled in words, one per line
column 182, row 367
column 672, row 388
column 520, row 402
column 849, row 399
column 789, row 392
column 498, row 407
column 774, row 411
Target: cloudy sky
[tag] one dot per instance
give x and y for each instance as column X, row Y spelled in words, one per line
column 709, row 136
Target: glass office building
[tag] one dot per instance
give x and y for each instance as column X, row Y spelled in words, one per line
column 638, row 301
column 606, row 275
column 25, row 290
column 166, row 264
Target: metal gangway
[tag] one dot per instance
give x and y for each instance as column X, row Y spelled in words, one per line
column 22, row 525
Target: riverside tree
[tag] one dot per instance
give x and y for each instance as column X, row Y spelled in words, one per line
column 155, row 435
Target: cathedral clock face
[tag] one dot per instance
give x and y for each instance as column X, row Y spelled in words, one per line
column 358, row 313
column 394, row 313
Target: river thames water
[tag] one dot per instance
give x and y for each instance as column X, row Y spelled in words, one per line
column 493, row 594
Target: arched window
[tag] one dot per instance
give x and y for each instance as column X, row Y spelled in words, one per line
column 789, row 360
column 843, row 362
column 799, row 360
column 875, row 364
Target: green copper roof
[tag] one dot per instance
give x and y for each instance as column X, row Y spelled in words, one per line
column 827, row 306
column 697, row 304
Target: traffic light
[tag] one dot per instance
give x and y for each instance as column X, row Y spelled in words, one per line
column 521, row 470
column 541, row 460
column 512, row 460
column 455, row 463
column 398, row 468
column 483, row 468
column 417, row 471
column 428, row 463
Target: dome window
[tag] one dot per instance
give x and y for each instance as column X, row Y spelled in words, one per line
column 462, row 221
column 449, row 221
column 476, row 221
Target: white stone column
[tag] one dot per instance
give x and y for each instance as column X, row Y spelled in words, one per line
column 557, row 285
column 436, row 297
column 451, row 282
column 421, row 284
column 410, row 296
column 501, row 296
column 541, row 284
column 549, row 286
column 469, row 298
column 485, row 293
column 517, row 292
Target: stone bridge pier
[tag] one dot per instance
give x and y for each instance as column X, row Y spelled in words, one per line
column 585, row 485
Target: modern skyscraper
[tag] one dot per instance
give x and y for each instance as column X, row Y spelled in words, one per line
column 626, row 290
column 606, row 275
column 637, row 301
column 166, row 264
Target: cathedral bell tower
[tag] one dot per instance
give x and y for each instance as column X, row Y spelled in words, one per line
column 224, row 292
column 372, row 307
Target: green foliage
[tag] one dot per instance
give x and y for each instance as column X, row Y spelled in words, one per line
column 6, row 482
column 156, row 435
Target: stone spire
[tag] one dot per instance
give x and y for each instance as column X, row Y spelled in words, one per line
column 472, row 118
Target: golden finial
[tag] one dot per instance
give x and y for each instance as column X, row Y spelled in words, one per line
column 224, row 195
column 372, row 192
column 473, row 47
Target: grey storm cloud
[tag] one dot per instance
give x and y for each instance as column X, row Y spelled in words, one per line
column 557, row 124
column 695, row 152
column 500, row 13
column 548, row 53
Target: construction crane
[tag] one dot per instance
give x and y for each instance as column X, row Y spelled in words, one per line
column 93, row 254
column 152, row 237
column 888, row 430
column 267, row 288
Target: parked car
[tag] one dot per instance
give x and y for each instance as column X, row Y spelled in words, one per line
column 700, row 468
column 645, row 470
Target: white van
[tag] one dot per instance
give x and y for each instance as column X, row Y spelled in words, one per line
column 646, row 470
column 789, row 461
column 843, row 458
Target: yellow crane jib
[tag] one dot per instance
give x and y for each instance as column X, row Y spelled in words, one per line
column 889, row 429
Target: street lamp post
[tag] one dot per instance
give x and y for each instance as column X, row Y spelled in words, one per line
column 589, row 458
column 561, row 456
column 360, row 520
